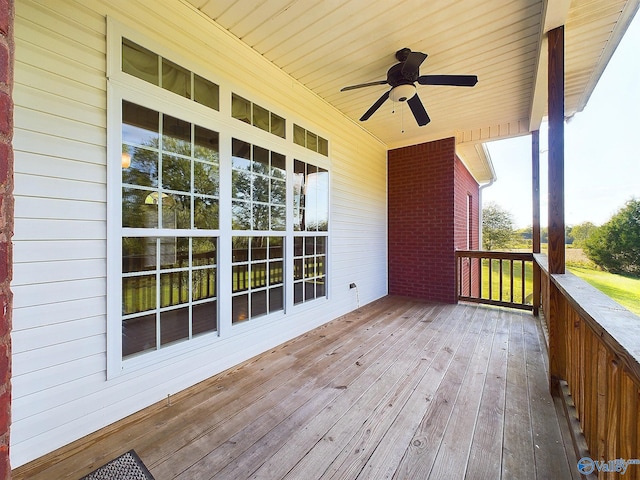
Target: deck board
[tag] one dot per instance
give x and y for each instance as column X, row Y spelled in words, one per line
column 397, row 389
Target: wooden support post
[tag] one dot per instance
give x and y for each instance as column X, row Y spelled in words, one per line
column 535, row 190
column 555, row 312
column 556, row 151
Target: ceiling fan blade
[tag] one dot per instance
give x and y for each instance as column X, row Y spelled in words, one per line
column 375, row 106
column 360, row 85
column 418, row 110
column 451, row 80
column 412, row 64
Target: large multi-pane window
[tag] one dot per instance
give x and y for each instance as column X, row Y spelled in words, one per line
column 178, row 251
column 170, row 181
column 258, row 276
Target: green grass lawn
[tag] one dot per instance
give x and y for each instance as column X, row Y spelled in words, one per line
column 506, row 281
column 624, row 290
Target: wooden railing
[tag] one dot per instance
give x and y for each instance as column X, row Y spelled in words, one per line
column 594, row 364
column 496, row 278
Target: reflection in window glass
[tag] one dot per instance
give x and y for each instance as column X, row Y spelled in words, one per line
column 310, row 197
column 139, row 125
column 310, row 140
column 309, row 268
column 323, row 146
column 170, row 282
column 176, row 173
column 176, row 79
column 138, row 254
column 137, row 211
column 176, row 135
column 278, row 125
column 206, row 92
column 139, row 334
column 174, row 325
column 189, row 176
column 150, row 67
column 258, row 188
column 206, row 144
column 299, row 135
column 140, row 62
column 257, row 277
column 138, row 294
column 260, row 117
column 240, row 108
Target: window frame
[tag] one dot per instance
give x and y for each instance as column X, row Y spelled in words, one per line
column 122, row 86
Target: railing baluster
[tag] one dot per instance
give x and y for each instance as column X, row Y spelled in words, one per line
column 501, row 291
column 524, row 273
column 470, row 276
column 490, row 280
column 511, row 279
column 479, row 277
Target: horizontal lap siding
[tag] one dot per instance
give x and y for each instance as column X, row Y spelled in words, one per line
column 60, row 286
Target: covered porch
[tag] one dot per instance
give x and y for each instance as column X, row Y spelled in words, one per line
column 396, row 389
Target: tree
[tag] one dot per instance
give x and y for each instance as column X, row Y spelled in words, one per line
column 581, row 233
column 615, row 246
column 497, row 227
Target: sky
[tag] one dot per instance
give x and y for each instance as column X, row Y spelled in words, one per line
column 602, row 162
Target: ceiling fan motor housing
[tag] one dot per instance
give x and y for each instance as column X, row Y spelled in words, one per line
column 396, row 77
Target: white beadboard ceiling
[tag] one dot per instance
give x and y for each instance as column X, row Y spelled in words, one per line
column 329, row 44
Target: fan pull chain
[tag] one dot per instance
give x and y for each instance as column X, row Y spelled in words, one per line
column 402, row 117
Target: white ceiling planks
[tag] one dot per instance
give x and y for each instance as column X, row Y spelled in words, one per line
column 329, row 44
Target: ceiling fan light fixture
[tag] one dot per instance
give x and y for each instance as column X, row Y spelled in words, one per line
column 402, row 93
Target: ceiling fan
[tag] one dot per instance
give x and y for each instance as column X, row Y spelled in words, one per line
column 402, row 77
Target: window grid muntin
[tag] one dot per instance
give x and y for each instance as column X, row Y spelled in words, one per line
column 195, row 82
column 248, row 112
column 200, row 232
column 156, row 291
column 309, row 267
column 310, row 197
column 160, row 192
column 253, row 208
column 264, row 276
column 310, row 140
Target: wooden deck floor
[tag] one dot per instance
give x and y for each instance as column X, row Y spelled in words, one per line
column 398, row 389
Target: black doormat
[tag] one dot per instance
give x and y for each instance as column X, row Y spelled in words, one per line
column 127, row 466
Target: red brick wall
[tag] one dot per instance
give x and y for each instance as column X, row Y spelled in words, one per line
column 6, row 226
column 427, row 190
column 465, row 187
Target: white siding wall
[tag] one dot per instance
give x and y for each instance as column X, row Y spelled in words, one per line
column 60, row 390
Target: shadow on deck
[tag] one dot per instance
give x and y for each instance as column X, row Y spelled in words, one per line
column 397, row 389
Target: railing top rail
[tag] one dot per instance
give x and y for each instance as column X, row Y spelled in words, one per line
column 494, row 254
column 618, row 328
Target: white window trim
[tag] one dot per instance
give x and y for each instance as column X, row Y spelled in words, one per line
column 121, row 86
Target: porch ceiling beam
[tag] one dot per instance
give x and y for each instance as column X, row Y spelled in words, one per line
column 554, row 15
